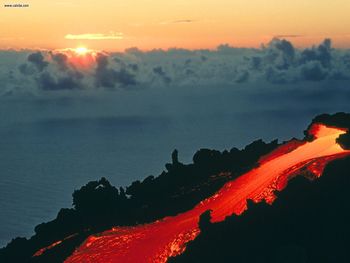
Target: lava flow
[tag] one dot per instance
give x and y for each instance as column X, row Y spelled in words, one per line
column 158, row 241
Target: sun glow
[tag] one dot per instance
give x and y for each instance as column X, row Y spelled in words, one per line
column 81, row 51
column 80, row 57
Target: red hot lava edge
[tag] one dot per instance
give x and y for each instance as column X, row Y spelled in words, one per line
column 157, row 241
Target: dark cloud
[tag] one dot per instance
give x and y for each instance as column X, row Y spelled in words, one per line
column 204, row 58
column 346, row 60
column 38, row 60
column 134, row 67
column 105, row 77
column 256, row 63
column 125, row 78
column 286, row 48
column 279, row 62
column 25, row 69
column 322, row 54
column 275, row 76
column 47, row 82
column 109, row 77
column 280, row 53
column 313, row 71
column 160, row 72
column 61, row 60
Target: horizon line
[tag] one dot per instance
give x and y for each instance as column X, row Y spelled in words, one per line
column 166, row 49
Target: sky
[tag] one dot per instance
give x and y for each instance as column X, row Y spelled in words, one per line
column 150, row 24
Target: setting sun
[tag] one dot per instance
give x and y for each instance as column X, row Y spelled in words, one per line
column 81, row 50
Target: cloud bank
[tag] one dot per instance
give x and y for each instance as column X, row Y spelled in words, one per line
column 277, row 63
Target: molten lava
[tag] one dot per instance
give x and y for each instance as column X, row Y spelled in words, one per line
column 158, row 241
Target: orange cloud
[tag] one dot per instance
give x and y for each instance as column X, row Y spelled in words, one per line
column 96, row 36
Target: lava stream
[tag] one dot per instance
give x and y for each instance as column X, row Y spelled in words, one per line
column 158, row 241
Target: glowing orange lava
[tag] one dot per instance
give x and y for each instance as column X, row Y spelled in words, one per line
column 157, row 241
column 43, row 250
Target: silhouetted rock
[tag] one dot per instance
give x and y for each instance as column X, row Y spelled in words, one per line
column 308, row 222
